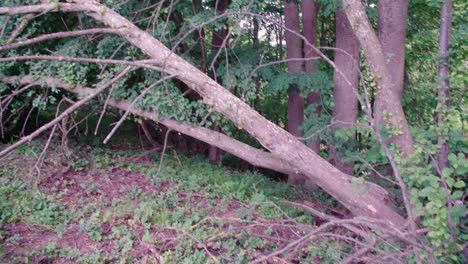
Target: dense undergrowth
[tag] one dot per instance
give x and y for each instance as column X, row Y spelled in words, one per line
column 103, row 204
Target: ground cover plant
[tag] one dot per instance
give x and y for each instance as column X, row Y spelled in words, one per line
column 111, row 204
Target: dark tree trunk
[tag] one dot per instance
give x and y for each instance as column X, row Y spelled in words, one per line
column 293, row 53
column 309, row 24
column 256, row 28
column 444, row 75
column 200, row 35
column 215, row 154
column 390, row 101
column 346, row 84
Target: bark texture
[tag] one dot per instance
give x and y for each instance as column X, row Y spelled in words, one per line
column 309, row 27
column 444, row 85
column 390, row 104
column 360, row 197
column 346, row 103
column 393, row 15
column 295, row 66
column 219, row 36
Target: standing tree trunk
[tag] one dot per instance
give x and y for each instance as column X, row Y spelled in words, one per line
column 346, row 84
column 309, row 24
column 200, row 35
column 389, row 105
column 294, row 56
column 215, row 154
column 392, row 35
column 444, row 76
column 256, row 29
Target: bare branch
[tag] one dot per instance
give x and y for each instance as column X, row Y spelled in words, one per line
column 19, row 28
column 310, row 236
column 43, row 8
column 327, row 217
column 132, row 104
column 72, row 108
column 163, row 152
column 140, row 63
column 64, row 34
column 360, row 252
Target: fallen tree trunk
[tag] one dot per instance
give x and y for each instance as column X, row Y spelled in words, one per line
column 360, row 197
column 239, row 149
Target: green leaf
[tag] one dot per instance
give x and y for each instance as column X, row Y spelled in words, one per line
column 450, row 181
column 447, row 172
column 459, row 184
column 457, row 194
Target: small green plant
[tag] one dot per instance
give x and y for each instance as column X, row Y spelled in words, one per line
column 81, row 164
column 431, row 194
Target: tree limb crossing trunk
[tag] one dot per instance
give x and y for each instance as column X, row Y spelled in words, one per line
column 390, row 104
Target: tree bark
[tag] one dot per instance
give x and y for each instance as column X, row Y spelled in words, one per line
column 390, row 104
column 362, row 198
column 309, row 25
column 444, row 86
column 393, row 15
column 215, row 154
column 345, row 84
column 256, row 29
column 295, row 66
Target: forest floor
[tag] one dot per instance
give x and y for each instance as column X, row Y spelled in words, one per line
column 112, row 204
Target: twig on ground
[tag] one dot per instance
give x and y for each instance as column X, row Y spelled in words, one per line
column 327, row 217
column 360, row 252
column 163, row 152
column 41, row 156
column 213, row 257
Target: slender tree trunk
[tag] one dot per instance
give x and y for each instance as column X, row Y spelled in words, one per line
column 390, row 104
column 309, row 24
column 444, row 87
column 294, row 51
column 200, row 35
column 347, row 61
column 215, row 154
column 256, row 28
